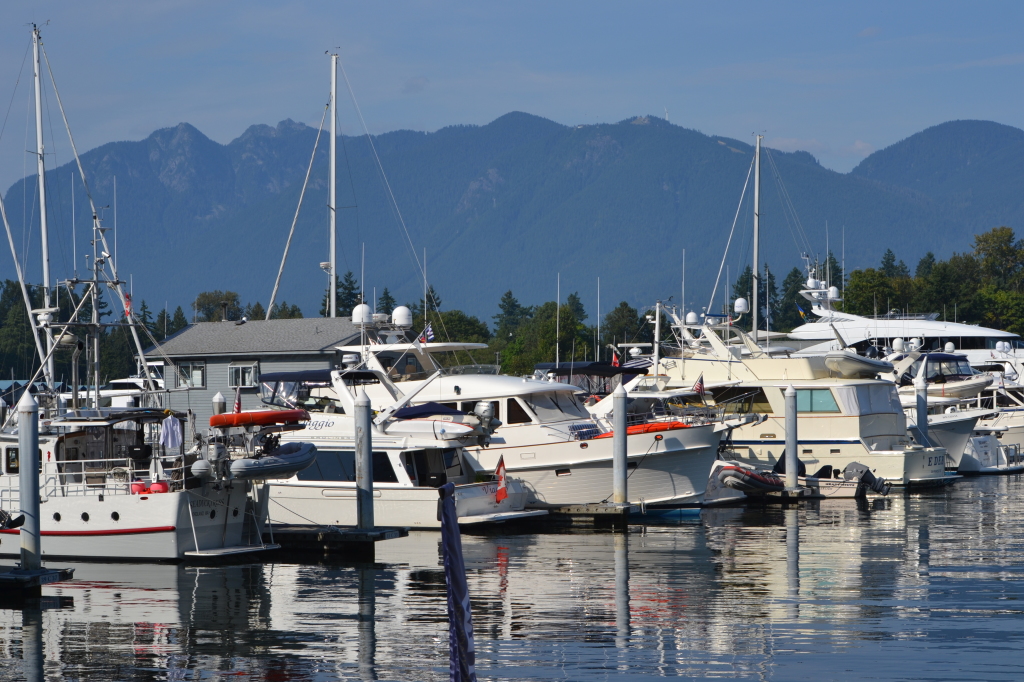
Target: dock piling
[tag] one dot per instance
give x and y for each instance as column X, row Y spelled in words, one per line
column 28, row 481
column 619, row 468
column 364, row 463
column 792, row 463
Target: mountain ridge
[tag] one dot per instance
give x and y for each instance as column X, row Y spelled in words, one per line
column 513, row 203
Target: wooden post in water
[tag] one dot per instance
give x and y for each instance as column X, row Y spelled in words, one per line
column 364, row 463
column 619, row 435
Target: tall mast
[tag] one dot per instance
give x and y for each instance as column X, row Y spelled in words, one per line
column 757, row 215
column 41, row 181
column 332, row 201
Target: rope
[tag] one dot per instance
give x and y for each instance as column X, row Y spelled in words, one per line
column 721, row 266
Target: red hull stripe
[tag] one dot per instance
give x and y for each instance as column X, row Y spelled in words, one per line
column 75, row 533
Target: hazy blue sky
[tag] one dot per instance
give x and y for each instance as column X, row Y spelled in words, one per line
column 836, row 81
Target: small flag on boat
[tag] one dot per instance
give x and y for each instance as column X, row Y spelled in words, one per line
column 803, row 315
column 128, row 305
column 461, row 648
column 238, row 400
column 698, row 387
column 615, row 359
column 428, row 334
column 502, row 492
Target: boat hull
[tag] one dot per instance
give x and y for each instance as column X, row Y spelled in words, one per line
column 324, row 503
column 666, row 468
column 153, row 527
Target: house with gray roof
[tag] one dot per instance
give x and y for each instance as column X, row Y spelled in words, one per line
column 211, row 357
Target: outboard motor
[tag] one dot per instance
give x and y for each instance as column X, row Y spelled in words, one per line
column 856, row 471
column 484, row 411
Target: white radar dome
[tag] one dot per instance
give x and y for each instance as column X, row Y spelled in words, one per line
column 949, row 347
column 362, row 315
column 897, row 345
column 812, row 283
column 833, row 293
column 692, row 319
column 741, row 306
column 401, row 317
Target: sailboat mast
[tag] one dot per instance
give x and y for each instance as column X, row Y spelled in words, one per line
column 333, row 204
column 757, row 230
column 41, row 181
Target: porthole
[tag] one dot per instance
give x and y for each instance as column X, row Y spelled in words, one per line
column 115, row 516
column 213, row 512
column 583, row 446
column 85, row 516
column 56, row 517
column 235, row 512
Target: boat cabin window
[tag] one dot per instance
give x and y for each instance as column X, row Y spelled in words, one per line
column 516, row 413
column 880, row 398
column 192, row 374
column 468, row 406
column 815, row 400
column 743, row 400
column 556, row 406
column 434, row 466
column 11, row 461
column 340, row 465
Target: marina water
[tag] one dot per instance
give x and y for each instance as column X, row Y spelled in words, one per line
column 928, row 586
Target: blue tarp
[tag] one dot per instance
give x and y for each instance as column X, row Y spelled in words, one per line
column 425, row 410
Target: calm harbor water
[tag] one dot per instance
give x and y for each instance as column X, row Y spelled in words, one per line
column 924, row 587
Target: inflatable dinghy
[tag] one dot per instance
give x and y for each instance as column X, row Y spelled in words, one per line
column 749, row 481
column 282, row 462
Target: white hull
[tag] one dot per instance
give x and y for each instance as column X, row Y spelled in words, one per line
column 952, row 431
column 673, row 470
column 986, row 455
column 850, row 365
column 329, row 503
column 154, row 527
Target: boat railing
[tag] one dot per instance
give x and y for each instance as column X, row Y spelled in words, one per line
column 1012, row 453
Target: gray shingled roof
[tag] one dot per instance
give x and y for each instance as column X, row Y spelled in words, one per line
column 298, row 335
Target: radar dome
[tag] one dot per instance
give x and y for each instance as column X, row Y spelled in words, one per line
column 692, row 319
column 812, row 283
column 949, row 347
column 741, row 306
column 401, row 317
column 833, row 293
column 362, row 315
column 897, row 345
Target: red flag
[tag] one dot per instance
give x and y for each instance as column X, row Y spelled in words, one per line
column 128, row 305
column 615, row 360
column 502, row 492
column 698, row 387
column 238, row 400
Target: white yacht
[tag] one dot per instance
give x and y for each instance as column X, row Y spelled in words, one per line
column 547, row 438
column 840, row 420
column 985, row 349
column 415, row 451
column 110, row 490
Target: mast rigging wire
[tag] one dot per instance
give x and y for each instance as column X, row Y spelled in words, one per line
column 731, row 231
column 291, row 232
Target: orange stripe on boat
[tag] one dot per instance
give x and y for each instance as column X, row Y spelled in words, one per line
column 637, row 429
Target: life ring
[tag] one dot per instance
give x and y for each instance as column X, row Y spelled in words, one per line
column 637, row 429
column 261, row 418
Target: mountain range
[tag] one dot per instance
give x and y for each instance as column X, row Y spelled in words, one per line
column 515, row 204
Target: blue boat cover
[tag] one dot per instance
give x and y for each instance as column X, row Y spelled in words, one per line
column 425, row 410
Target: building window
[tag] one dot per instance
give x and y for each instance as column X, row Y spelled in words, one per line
column 192, row 374
column 244, row 375
column 12, row 461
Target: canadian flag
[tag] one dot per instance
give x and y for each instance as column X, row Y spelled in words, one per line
column 615, row 360
column 502, row 492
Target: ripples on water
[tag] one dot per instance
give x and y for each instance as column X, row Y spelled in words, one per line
column 922, row 587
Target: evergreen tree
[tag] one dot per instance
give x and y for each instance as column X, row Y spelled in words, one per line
column 145, row 317
column 348, row 296
column 576, row 306
column 433, row 303
column 786, row 316
column 162, row 323
column 255, row 311
column 178, row 322
column 386, row 303
column 888, row 267
column 623, row 324
column 925, row 265
column 511, row 314
column 283, row 311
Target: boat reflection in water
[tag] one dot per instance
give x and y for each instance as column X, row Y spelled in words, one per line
column 880, row 588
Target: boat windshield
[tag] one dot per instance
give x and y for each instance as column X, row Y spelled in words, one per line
column 881, row 398
column 556, row 406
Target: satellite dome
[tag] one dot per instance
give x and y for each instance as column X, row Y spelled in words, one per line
column 362, row 315
column 692, row 319
column 741, row 306
column 401, row 316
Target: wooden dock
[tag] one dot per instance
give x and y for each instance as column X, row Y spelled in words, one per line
column 17, row 584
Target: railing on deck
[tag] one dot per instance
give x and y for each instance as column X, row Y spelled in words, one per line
column 112, row 476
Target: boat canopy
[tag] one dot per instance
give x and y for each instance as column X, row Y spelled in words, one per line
column 426, row 410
